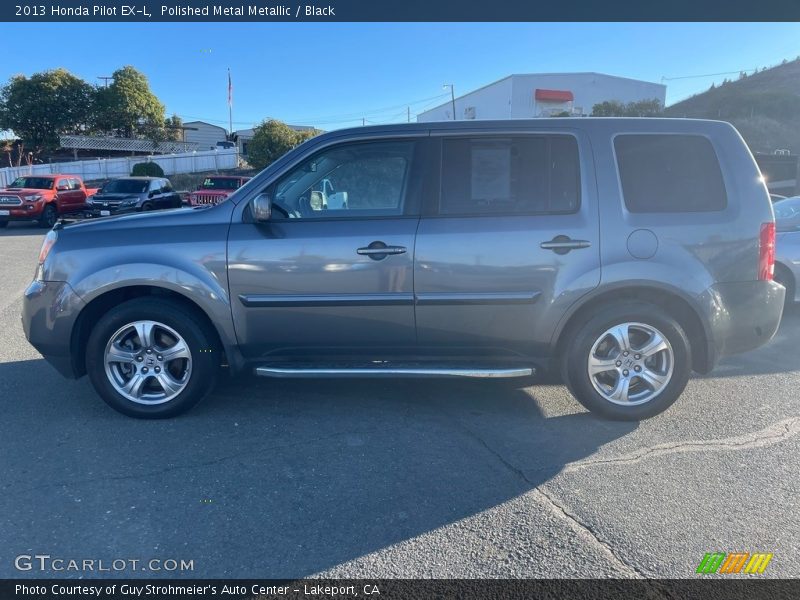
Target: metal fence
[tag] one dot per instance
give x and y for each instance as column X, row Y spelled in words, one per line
column 106, row 168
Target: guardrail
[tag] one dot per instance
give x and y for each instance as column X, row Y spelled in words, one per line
column 107, row 168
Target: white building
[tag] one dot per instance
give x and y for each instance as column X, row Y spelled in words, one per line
column 544, row 95
column 205, row 135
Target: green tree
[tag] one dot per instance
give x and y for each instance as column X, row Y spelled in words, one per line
column 48, row 104
column 609, row 108
column 644, row 108
column 614, row 108
column 129, row 108
column 271, row 140
column 174, row 127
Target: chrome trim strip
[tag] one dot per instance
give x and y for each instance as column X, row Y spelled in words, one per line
column 476, row 298
column 306, row 373
column 305, row 300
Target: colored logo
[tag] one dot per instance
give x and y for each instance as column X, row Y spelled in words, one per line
column 735, row 562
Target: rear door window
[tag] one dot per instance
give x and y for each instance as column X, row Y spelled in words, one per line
column 513, row 175
column 666, row 173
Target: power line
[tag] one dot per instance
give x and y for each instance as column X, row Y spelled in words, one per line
column 708, row 74
column 333, row 119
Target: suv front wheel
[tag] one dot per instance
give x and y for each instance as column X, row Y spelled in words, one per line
column 628, row 362
column 149, row 359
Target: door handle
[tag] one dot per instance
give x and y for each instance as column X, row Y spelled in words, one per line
column 561, row 244
column 379, row 250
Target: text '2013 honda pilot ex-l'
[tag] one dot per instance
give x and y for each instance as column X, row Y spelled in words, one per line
column 624, row 252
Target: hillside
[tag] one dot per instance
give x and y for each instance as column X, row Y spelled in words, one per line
column 764, row 106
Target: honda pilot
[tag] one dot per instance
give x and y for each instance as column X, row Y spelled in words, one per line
column 623, row 253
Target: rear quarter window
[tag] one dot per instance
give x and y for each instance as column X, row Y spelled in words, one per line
column 669, row 173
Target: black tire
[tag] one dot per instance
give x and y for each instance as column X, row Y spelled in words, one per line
column 3, row 224
column 49, row 217
column 205, row 356
column 147, row 206
column 575, row 361
column 785, row 278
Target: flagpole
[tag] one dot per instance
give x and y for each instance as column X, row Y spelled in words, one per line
column 230, row 105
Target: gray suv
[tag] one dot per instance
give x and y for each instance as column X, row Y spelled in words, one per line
column 624, row 253
column 133, row 194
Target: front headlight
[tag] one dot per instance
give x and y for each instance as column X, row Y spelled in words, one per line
column 47, row 245
column 129, row 202
column 33, row 198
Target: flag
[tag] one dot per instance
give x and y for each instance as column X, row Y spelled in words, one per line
column 230, row 89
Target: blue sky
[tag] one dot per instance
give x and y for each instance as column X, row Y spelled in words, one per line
column 332, row 75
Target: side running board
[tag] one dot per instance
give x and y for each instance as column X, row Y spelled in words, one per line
column 385, row 370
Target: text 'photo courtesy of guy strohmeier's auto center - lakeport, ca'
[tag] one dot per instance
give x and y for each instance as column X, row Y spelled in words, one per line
column 400, row 304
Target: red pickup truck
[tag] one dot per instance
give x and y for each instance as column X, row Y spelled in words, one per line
column 43, row 198
column 215, row 189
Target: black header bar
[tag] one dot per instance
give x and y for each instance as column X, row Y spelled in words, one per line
column 395, row 10
column 733, row 588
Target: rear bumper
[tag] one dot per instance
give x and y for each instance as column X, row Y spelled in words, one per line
column 49, row 311
column 742, row 315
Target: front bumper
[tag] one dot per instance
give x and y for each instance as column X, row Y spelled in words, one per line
column 49, row 311
column 742, row 315
column 23, row 212
column 206, row 199
column 117, row 210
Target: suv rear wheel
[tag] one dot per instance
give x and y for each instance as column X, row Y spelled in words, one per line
column 149, row 359
column 628, row 362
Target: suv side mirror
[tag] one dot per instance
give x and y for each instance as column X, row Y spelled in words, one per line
column 262, row 208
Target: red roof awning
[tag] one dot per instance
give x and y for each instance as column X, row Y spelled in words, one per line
column 554, row 95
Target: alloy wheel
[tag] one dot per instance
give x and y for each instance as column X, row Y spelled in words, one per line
column 148, row 362
column 631, row 364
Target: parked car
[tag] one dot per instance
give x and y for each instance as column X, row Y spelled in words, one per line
column 43, row 198
column 215, row 189
column 787, row 246
column 623, row 252
column 134, row 194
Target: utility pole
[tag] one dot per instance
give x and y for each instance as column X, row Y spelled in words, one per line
column 363, row 121
column 408, row 108
column 452, row 97
column 230, row 105
column 105, row 78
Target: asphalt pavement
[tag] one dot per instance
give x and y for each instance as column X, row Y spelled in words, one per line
column 347, row 478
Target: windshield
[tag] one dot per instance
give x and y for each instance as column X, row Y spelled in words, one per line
column 786, row 209
column 34, row 183
column 220, row 183
column 126, row 186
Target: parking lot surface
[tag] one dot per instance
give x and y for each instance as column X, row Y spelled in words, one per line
column 278, row 478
